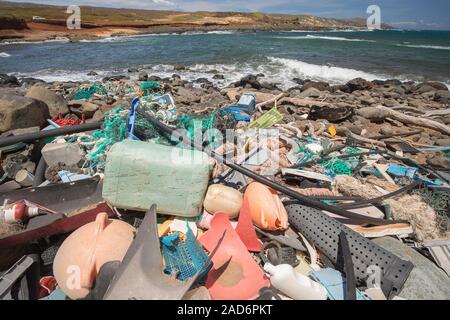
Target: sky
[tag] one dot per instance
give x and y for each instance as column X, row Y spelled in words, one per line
column 408, row 14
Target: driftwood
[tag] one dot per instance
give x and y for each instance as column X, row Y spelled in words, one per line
column 437, row 113
column 382, row 113
column 291, row 129
column 305, row 103
column 273, row 100
column 359, row 138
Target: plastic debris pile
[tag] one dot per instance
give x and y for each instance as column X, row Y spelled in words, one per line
column 153, row 203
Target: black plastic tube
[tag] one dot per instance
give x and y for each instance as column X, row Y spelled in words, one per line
column 363, row 203
column 177, row 134
column 39, row 174
column 30, row 137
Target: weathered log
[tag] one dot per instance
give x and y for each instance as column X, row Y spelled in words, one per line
column 381, row 113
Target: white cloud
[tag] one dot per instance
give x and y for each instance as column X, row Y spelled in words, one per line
column 163, row 2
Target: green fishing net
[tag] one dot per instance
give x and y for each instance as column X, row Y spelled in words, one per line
column 337, row 166
column 149, row 87
column 86, row 93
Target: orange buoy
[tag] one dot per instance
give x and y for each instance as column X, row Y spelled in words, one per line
column 265, row 207
column 86, row 250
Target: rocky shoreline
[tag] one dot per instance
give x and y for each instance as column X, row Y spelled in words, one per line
column 61, row 33
column 361, row 108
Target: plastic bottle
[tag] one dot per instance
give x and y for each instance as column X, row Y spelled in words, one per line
column 294, row 285
column 18, row 211
column 224, row 199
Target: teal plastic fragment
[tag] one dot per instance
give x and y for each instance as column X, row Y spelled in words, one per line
column 334, row 282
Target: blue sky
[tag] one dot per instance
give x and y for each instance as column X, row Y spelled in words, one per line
column 411, row 14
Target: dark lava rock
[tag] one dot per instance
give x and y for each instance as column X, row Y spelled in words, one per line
column 31, row 81
column 8, row 81
column 133, row 70
column 249, row 81
column 330, row 113
column 115, row 78
column 359, row 84
column 319, row 85
column 143, row 76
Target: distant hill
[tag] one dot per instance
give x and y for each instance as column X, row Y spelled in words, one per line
column 147, row 18
column 100, row 22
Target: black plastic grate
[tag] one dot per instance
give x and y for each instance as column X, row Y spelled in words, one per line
column 323, row 231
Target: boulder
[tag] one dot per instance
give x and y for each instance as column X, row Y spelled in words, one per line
column 218, row 77
column 359, row 84
column 21, row 112
column 115, row 78
column 92, row 73
column 342, row 88
column 442, row 96
column 299, row 81
column 80, row 107
column 154, row 78
column 133, row 70
column 99, row 115
column 435, row 85
column 185, row 96
column 31, row 81
column 203, row 81
column 393, row 82
column 16, row 91
column 331, row 113
column 250, row 81
column 319, row 85
column 56, row 104
column 8, row 81
column 143, row 76
column 179, row 67
column 424, row 88
column 310, row 93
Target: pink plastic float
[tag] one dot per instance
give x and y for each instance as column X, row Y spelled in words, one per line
column 84, row 252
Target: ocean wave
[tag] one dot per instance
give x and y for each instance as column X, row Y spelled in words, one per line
column 4, row 55
column 276, row 70
column 62, row 40
column 331, row 31
column 308, row 37
column 336, row 75
column 420, row 46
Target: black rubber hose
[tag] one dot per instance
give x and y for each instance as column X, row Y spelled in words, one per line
column 392, row 135
column 337, row 198
column 363, row 203
column 349, row 269
column 177, row 134
column 30, row 137
column 39, row 174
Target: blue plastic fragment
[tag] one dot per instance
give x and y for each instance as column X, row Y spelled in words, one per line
column 334, row 282
column 402, row 171
column 184, row 258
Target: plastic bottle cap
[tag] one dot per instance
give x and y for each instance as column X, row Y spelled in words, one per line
column 269, row 268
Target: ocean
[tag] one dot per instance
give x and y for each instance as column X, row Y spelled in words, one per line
column 333, row 56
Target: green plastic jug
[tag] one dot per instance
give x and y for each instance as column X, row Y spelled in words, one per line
column 138, row 174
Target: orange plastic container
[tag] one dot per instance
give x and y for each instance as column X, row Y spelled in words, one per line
column 265, row 207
